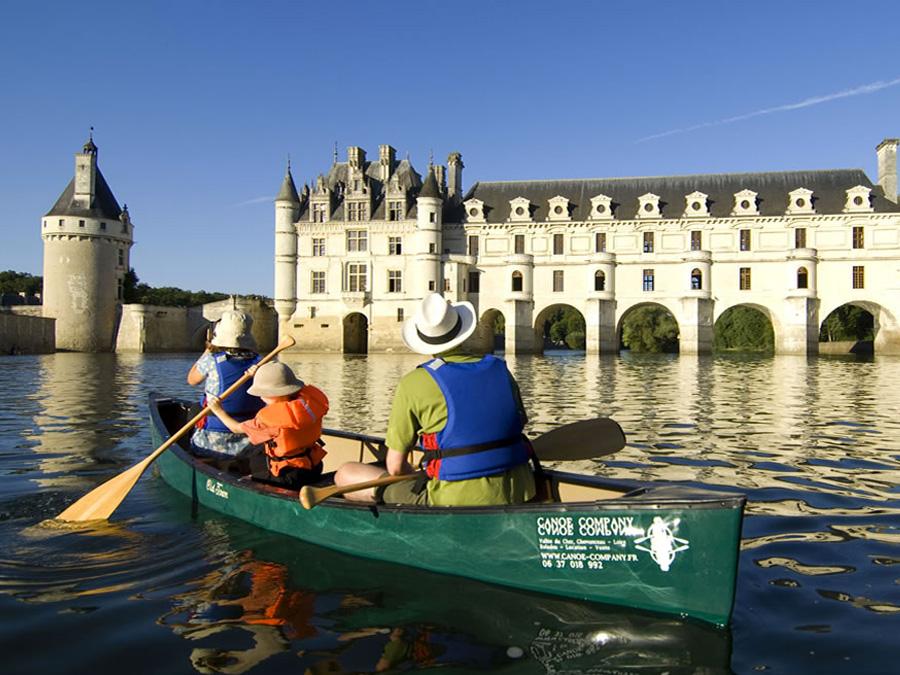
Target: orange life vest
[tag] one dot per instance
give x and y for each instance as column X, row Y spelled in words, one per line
column 299, row 424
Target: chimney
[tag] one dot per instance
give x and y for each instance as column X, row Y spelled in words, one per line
column 887, row 167
column 386, row 159
column 356, row 157
column 454, row 187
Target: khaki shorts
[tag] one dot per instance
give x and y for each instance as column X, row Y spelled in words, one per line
column 403, row 492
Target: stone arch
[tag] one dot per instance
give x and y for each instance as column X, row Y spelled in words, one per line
column 777, row 329
column 540, row 322
column 638, row 305
column 202, row 335
column 884, row 323
column 355, row 333
column 486, row 340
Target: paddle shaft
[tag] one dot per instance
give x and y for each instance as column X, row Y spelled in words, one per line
column 586, row 439
column 99, row 503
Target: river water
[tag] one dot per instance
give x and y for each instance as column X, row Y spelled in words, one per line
column 165, row 586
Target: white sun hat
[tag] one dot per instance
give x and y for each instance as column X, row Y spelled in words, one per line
column 233, row 331
column 438, row 325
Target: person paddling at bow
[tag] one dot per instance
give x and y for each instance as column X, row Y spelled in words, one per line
column 465, row 410
column 289, row 426
column 231, row 352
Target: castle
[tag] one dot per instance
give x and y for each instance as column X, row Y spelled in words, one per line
column 356, row 252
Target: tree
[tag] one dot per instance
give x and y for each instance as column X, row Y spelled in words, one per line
column 650, row 329
column 743, row 329
column 20, row 282
column 565, row 325
column 848, row 323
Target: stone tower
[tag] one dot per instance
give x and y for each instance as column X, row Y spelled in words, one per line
column 87, row 244
column 287, row 207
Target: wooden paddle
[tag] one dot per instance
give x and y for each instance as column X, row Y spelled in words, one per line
column 587, row 439
column 99, row 503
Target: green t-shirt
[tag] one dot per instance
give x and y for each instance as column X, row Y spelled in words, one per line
column 419, row 408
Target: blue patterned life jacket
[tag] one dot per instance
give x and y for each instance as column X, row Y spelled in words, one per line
column 483, row 434
column 240, row 405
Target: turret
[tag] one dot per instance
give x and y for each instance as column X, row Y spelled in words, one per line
column 287, row 211
column 87, row 244
column 428, row 236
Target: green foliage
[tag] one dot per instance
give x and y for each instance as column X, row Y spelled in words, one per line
column 848, row 323
column 743, row 329
column 166, row 296
column 20, row 282
column 500, row 325
column 565, row 326
column 650, row 329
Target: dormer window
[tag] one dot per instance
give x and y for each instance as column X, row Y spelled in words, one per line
column 648, row 206
column 474, row 211
column 745, row 204
column 559, row 208
column 800, row 201
column 601, row 208
column 858, row 200
column 519, row 210
column 696, row 205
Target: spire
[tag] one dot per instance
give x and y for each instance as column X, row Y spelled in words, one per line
column 288, row 191
column 430, row 187
column 89, row 148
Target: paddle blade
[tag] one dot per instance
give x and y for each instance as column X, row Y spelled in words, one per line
column 587, row 439
column 99, row 503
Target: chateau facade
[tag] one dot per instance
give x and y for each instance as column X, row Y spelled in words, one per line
column 356, row 252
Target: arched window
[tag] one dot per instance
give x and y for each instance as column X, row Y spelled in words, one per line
column 696, row 280
column 802, row 278
column 599, row 280
column 517, row 281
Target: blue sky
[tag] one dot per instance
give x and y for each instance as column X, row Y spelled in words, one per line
column 196, row 105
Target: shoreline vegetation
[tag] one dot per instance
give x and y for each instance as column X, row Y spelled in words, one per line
column 649, row 328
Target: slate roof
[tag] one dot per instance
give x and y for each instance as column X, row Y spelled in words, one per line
column 829, row 193
column 288, row 190
column 103, row 206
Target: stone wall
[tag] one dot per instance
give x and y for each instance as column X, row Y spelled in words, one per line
column 26, row 333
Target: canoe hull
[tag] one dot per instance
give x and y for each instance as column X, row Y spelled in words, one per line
column 669, row 550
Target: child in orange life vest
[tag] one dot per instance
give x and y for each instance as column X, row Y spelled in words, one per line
column 289, row 426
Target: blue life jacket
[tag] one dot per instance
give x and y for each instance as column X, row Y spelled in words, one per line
column 483, row 434
column 240, row 405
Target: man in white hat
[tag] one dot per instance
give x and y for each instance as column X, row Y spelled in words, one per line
column 466, row 413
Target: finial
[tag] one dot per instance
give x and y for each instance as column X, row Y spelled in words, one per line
column 91, row 135
column 431, row 158
column 289, row 162
column 335, row 152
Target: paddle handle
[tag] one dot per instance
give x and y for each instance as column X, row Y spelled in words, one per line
column 310, row 496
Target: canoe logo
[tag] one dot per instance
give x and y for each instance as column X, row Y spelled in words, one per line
column 663, row 544
column 216, row 488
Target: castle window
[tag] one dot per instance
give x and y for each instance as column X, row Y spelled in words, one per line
column 745, row 279
column 648, row 242
column 102, row 226
column 312, row 312
column 80, row 223
column 399, row 315
column 858, row 200
column 696, row 280
column 121, row 258
column 519, row 244
column 802, row 278
column 601, row 208
column 557, row 244
column 859, row 239
column 519, row 210
column 395, row 245
column 473, row 245
column 356, row 211
column 696, row 240
column 800, row 237
column 120, row 289
column 446, row 285
column 395, row 281
column 696, row 205
column 357, row 241
column 745, row 203
column 318, row 282
column 599, row 280
column 431, row 285
column 859, row 276
column 432, row 248
column 648, row 206
column 800, row 201
column 395, row 210
column 357, row 277
column 432, row 217
column 473, row 282
column 648, row 280
column 62, row 222
column 745, row 240
column 558, row 281
column 516, row 281
column 318, row 246
column 600, row 242
column 318, row 213
column 558, row 208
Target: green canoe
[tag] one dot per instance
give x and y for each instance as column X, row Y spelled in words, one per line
column 665, row 548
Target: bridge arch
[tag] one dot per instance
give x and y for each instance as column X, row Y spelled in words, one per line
column 620, row 323
column 486, row 339
column 540, row 322
column 884, row 322
column 355, row 333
